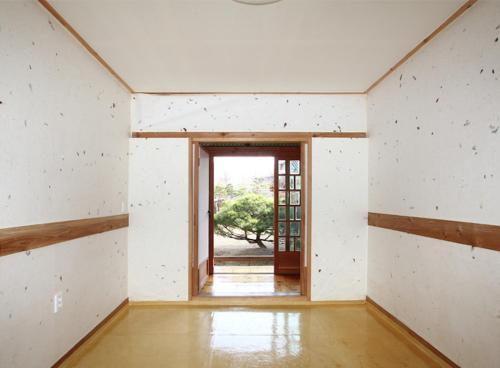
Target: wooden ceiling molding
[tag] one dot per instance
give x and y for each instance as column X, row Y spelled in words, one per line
column 84, row 43
column 424, row 42
column 45, row 3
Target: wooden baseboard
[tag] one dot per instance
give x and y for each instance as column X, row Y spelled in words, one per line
column 412, row 333
column 115, row 311
column 252, row 301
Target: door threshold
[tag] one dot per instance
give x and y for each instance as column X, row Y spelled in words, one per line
column 268, row 301
column 243, row 273
column 242, row 301
column 257, row 301
column 277, row 294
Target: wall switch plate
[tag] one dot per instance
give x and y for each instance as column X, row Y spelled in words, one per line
column 57, row 301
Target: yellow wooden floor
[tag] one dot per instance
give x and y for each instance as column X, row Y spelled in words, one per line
column 317, row 336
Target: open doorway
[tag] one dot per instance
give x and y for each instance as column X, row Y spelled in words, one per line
column 243, row 206
column 251, row 218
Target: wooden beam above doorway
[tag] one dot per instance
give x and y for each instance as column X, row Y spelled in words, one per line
column 250, row 136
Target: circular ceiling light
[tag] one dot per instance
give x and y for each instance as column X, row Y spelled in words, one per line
column 256, row 2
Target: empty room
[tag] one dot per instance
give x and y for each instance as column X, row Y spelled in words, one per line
column 249, row 183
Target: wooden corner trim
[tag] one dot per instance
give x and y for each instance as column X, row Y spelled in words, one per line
column 300, row 136
column 101, row 324
column 476, row 235
column 84, row 43
column 425, row 41
column 412, row 333
column 24, row 238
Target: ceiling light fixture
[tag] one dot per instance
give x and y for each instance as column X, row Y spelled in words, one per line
column 256, row 2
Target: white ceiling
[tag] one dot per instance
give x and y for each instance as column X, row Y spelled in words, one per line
column 224, row 46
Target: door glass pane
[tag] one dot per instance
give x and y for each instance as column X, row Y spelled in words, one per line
column 297, row 244
column 281, row 167
column 294, row 229
column 292, row 182
column 281, row 213
column 282, row 182
column 294, row 167
column 281, row 229
column 281, row 244
column 292, row 246
column 282, row 197
column 295, row 198
column 297, row 214
column 292, row 213
column 298, row 182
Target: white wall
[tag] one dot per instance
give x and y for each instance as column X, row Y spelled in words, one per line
column 158, row 230
column 63, row 156
column 434, row 149
column 339, row 215
column 247, row 113
column 252, row 113
column 203, row 207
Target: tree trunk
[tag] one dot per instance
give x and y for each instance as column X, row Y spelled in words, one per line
column 257, row 241
column 260, row 243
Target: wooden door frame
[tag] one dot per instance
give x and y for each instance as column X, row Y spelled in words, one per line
column 194, row 179
column 295, row 154
column 237, row 151
column 194, row 146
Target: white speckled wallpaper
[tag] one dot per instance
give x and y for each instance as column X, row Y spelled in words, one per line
column 434, row 152
column 63, row 156
column 158, row 166
column 247, row 113
column 339, row 218
column 158, row 231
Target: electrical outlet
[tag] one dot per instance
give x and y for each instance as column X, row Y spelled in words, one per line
column 57, row 301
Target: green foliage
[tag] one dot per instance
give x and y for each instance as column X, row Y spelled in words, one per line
column 227, row 191
column 250, row 217
column 261, row 186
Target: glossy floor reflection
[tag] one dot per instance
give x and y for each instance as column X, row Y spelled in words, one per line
column 243, row 269
column 251, row 284
column 333, row 336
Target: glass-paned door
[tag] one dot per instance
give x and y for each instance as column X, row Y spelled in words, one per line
column 288, row 193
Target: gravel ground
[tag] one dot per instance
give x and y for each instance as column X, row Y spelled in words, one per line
column 234, row 248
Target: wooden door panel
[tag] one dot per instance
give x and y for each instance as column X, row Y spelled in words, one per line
column 288, row 212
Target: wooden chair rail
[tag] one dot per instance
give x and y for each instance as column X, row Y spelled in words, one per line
column 476, row 235
column 24, row 238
